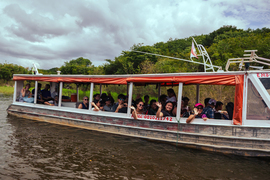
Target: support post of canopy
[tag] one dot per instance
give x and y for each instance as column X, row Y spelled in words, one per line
column 197, row 93
column 100, row 89
column 244, row 109
column 127, row 89
column 91, row 96
column 15, row 92
column 129, row 98
column 159, row 90
column 60, row 94
column 36, row 90
column 178, row 112
column 77, row 91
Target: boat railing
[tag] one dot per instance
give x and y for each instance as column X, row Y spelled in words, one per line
column 249, row 58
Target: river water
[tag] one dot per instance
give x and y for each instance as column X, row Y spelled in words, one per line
column 37, row 150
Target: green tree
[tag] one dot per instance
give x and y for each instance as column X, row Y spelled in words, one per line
column 77, row 66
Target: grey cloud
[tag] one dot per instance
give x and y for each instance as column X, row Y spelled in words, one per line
column 32, row 26
column 51, row 32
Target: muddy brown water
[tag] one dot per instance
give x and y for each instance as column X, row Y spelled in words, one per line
column 37, row 150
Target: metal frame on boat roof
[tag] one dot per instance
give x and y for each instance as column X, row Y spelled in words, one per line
column 208, row 65
column 245, row 61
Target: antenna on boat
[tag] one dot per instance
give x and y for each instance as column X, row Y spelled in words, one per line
column 206, row 58
column 202, row 52
column 245, row 61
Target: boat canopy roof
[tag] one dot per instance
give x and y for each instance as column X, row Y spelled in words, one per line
column 218, row 78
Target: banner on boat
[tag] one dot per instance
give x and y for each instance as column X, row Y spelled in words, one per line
column 263, row 75
column 150, row 117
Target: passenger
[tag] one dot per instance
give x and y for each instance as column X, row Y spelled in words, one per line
column 209, row 110
column 153, row 108
column 96, row 105
column 108, row 105
column 185, row 106
column 26, row 95
column 146, row 101
column 46, row 94
column 167, row 111
column 54, row 103
column 198, row 113
column 185, row 112
column 230, row 108
column 206, row 100
column 103, row 98
column 120, row 107
column 84, row 104
column 171, row 96
column 138, row 110
column 126, row 100
column 97, row 97
column 110, row 96
column 39, row 95
column 55, row 93
column 219, row 114
column 163, row 99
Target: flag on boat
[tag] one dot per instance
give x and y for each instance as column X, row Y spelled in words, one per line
column 193, row 52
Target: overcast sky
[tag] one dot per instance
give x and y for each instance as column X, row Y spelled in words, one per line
column 50, row 32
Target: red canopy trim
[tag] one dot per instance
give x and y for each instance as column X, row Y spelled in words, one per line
column 72, row 79
column 172, row 80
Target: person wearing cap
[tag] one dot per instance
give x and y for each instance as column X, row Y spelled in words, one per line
column 108, row 104
column 209, row 110
column 198, row 113
column 120, row 107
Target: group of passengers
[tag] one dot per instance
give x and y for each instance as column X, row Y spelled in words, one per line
column 167, row 105
column 43, row 96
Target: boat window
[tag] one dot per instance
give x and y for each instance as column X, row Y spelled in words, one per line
column 24, row 91
column 266, row 84
column 256, row 107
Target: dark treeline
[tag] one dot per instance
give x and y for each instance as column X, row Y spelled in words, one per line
column 222, row 44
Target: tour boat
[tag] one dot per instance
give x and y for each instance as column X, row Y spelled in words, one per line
column 247, row 134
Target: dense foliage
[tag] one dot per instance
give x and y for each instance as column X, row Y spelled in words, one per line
column 222, row 44
column 7, row 71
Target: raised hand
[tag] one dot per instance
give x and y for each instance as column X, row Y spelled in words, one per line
column 159, row 104
column 132, row 107
column 196, row 111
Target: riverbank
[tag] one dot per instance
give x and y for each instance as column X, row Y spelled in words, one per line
column 6, row 90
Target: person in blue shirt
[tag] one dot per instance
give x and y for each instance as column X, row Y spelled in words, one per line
column 46, row 94
column 209, row 111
